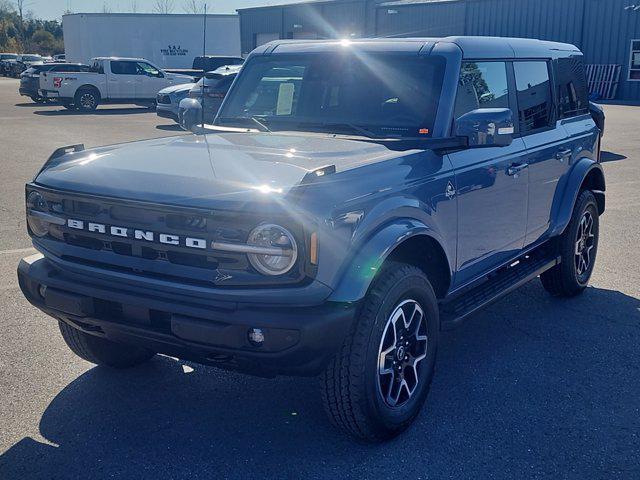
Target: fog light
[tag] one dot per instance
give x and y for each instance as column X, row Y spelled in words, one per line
column 256, row 337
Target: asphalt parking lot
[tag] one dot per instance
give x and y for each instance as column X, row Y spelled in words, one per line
column 532, row 387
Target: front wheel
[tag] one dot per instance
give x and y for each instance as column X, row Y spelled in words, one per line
column 578, row 247
column 102, row 351
column 377, row 383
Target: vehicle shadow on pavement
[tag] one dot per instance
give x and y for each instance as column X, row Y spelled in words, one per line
column 171, row 128
column 606, row 156
column 99, row 112
column 533, row 386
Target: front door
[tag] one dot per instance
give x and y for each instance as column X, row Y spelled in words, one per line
column 149, row 82
column 491, row 183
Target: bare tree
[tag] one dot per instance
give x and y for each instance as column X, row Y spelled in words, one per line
column 106, row 8
column 164, row 6
column 194, row 6
column 134, row 6
column 21, row 5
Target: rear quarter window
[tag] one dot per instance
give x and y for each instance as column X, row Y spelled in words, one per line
column 571, row 87
column 534, row 95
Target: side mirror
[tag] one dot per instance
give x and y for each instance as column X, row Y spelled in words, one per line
column 486, row 127
column 190, row 114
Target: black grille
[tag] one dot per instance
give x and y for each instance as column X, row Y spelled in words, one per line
column 164, row 99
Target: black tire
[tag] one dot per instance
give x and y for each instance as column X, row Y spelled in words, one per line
column 569, row 279
column 352, row 389
column 102, row 351
column 69, row 106
column 87, row 99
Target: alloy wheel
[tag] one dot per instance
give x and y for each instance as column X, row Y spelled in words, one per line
column 585, row 243
column 402, row 349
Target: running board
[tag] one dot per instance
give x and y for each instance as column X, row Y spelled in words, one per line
column 455, row 311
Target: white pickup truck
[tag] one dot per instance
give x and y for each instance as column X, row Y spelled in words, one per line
column 110, row 80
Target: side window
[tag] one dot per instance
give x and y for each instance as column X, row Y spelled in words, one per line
column 143, row 68
column 97, row 67
column 534, row 95
column 571, row 85
column 634, row 62
column 119, row 67
column 482, row 85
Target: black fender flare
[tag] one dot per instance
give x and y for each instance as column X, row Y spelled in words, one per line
column 363, row 267
column 585, row 170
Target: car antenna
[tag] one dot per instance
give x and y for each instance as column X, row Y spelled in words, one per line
column 204, row 63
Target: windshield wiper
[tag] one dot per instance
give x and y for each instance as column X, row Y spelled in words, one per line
column 341, row 125
column 259, row 123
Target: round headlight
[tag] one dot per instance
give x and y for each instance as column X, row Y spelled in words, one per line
column 276, row 239
column 36, row 202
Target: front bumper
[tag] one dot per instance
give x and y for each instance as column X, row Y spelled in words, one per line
column 167, row 111
column 299, row 339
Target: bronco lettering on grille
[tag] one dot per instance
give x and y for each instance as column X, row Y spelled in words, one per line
column 134, row 233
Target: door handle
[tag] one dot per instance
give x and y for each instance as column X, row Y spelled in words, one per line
column 516, row 168
column 562, row 154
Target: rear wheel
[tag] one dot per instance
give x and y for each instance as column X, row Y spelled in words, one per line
column 578, row 247
column 87, row 99
column 102, row 351
column 375, row 386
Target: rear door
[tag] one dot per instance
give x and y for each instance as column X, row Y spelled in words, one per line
column 548, row 154
column 122, row 80
column 491, row 183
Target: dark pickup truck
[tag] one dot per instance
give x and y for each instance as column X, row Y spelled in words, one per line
column 352, row 199
column 206, row 63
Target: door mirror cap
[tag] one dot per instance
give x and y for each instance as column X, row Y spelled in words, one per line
column 486, row 127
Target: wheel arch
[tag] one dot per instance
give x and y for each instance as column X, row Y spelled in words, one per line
column 407, row 241
column 88, row 86
column 587, row 174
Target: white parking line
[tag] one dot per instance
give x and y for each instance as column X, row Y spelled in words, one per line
column 18, row 250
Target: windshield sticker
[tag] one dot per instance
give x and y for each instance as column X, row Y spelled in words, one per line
column 285, row 99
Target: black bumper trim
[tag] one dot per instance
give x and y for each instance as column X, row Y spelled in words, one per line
column 299, row 340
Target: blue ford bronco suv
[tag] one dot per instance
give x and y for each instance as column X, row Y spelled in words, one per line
column 351, row 199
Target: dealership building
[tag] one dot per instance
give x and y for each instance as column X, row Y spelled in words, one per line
column 607, row 31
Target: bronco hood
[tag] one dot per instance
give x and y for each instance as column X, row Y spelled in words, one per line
column 191, row 170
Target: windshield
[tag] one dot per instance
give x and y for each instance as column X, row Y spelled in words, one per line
column 377, row 95
column 8, row 56
column 31, row 58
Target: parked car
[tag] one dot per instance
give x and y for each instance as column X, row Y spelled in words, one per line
column 111, row 80
column 168, row 100
column 207, row 63
column 22, row 63
column 5, row 62
column 212, row 88
column 30, row 78
column 355, row 199
column 61, row 57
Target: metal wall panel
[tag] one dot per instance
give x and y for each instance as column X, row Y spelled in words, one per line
column 603, row 29
column 421, row 20
column 263, row 20
column 609, row 28
column 558, row 20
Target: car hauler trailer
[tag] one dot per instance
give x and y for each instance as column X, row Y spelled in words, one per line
column 167, row 40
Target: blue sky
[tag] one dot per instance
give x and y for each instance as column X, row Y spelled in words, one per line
column 50, row 9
